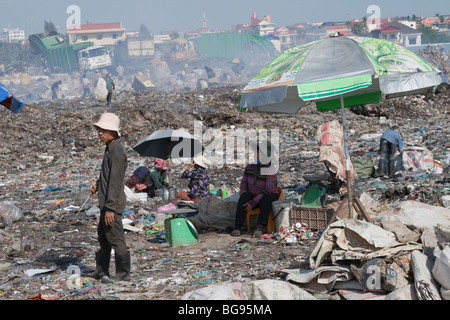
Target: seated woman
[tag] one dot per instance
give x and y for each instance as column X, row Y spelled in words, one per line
column 198, row 181
column 139, row 179
column 258, row 188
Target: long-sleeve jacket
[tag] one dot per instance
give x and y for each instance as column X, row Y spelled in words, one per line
column 111, row 195
column 110, row 85
column 159, row 179
column 258, row 184
column 393, row 137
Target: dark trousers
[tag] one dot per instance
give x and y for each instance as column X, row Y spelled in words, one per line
column 108, row 98
column 265, row 206
column 387, row 152
column 110, row 237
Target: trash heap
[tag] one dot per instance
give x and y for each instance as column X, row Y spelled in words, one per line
column 50, row 153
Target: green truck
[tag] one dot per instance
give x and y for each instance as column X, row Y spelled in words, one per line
column 64, row 57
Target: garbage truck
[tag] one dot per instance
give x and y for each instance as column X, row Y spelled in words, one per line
column 64, row 57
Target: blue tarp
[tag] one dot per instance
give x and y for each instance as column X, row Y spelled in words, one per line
column 8, row 100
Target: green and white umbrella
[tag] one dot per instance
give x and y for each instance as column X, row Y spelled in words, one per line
column 335, row 73
column 357, row 68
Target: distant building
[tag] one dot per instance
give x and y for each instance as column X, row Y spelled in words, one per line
column 287, row 37
column 428, row 22
column 102, row 34
column 12, row 35
column 340, row 29
column 398, row 33
column 242, row 28
column 261, row 26
column 374, row 24
column 411, row 24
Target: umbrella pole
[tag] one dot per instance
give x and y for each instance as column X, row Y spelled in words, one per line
column 170, row 180
column 347, row 161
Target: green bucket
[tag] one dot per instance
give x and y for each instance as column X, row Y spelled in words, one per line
column 179, row 231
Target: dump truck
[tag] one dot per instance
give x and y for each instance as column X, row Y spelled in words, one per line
column 134, row 50
column 64, row 57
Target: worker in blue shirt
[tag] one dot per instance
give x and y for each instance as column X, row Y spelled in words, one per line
column 389, row 142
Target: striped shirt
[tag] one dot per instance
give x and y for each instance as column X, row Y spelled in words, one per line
column 256, row 183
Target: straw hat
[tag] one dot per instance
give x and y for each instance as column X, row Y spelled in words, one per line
column 108, row 121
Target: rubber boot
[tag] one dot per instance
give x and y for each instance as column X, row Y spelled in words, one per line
column 123, row 268
column 381, row 169
column 101, row 268
column 391, row 169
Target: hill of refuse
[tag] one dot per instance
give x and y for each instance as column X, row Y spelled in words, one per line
column 50, row 153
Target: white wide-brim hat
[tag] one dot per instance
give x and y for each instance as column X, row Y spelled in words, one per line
column 200, row 160
column 108, row 121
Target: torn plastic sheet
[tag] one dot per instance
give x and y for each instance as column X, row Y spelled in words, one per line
column 351, row 239
column 322, row 279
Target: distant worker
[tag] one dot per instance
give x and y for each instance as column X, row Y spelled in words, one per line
column 110, row 86
column 120, row 71
column 85, row 83
column 56, row 92
column 238, row 65
column 389, row 142
column 210, row 72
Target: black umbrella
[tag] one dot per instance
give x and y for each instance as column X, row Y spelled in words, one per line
column 169, row 144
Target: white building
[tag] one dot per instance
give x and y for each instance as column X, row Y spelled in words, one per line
column 261, row 26
column 12, row 35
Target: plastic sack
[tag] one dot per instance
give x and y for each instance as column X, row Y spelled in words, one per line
column 132, row 196
column 9, row 213
column 417, row 158
column 282, row 212
column 216, row 213
column 269, row 289
column 100, row 90
column 441, row 271
column 223, row 291
column 363, row 166
column 424, row 283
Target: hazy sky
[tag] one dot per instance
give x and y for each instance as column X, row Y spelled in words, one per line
column 186, row 15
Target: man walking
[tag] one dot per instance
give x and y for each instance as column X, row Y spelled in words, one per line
column 111, row 200
column 110, row 86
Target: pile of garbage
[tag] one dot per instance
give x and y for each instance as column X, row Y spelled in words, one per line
column 436, row 56
column 50, row 153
